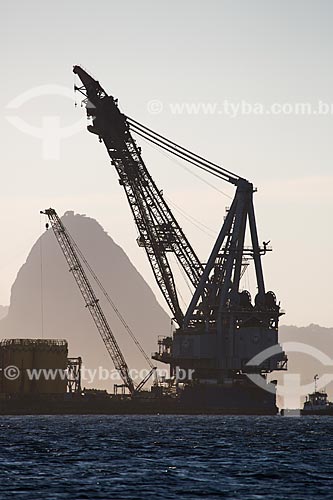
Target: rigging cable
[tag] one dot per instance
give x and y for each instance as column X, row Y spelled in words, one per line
column 181, row 156
column 195, row 222
column 187, row 169
column 41, row 276
column 108, row 298
column 176, row 147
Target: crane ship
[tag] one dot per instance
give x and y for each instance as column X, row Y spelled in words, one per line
column 225, row 343
column 223, row 329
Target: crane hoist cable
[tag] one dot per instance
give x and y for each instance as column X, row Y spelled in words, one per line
column 179, row 154
column 200, row 162
column 187, row 169
column 195, row 222
column 185, row 279
column 41, row 280
column 121, row 318
column 71, row 253
column 110, row 301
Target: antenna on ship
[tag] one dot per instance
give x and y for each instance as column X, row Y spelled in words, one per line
column 316, row 377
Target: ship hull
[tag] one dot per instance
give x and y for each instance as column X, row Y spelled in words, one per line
column 306, row 413
column 317, row 412
column 244, row 399
column 196, row 400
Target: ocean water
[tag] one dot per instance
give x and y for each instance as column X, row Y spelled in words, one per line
column 166, row 457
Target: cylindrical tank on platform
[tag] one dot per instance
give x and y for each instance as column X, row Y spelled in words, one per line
column 33, row 366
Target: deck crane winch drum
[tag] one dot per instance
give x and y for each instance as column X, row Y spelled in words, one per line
column 223, row 328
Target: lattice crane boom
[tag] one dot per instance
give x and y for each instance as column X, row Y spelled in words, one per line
column 222, row 328
column 159, row 232
column 90, row 299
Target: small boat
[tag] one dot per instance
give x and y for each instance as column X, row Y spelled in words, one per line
column 317, row 403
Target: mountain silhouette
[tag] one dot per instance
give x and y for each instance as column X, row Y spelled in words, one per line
column 44, row 284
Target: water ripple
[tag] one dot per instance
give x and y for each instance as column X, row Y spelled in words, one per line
column 165, row 457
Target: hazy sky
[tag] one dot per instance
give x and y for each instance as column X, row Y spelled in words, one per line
column 211, row 51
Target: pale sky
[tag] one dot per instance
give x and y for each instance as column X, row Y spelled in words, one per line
column 211, row 51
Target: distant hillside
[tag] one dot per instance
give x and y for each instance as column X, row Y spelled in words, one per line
column 64, row 313
column 66, row 317
column 313, row 335
column 3, row 311
column 307, row 365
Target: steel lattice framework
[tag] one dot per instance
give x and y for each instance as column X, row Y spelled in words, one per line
column 218, row 306
column 91, row 301
column 159, row 232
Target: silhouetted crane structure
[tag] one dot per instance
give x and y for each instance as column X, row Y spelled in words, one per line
column 222, row 328
column 71, row 253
